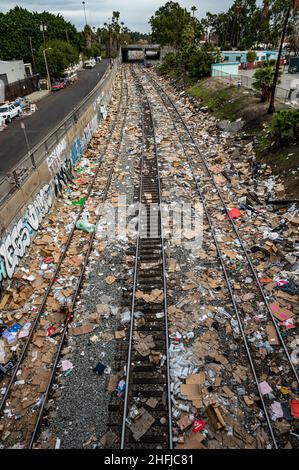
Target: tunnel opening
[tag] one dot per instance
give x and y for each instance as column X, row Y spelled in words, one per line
column 140, row 53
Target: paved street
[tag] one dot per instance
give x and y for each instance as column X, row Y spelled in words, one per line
column 51, row 110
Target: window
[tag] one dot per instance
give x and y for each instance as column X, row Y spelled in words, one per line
column 238, row 58
column 226, row 58
column 263, row 57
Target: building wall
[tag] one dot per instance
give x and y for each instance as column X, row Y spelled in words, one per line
column 241, row 56
column 14, row 70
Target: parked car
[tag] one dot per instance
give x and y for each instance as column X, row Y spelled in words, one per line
column 89, row 64
column 57, row 86
column 9, row 111
column 65, row 81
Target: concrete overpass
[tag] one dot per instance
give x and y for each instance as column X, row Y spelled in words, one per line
column 140, row 52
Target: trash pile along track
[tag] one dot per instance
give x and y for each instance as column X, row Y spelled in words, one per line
column 276, row 367
column 207, row 348
column 147, row 372
column 26, row 392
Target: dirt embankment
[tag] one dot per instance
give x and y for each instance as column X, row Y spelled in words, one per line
column 228, row 102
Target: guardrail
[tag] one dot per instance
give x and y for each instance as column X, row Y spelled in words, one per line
column 20, row 172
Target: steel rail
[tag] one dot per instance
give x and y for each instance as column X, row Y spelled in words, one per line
column 79, row 282
column 131, row 330
column 253, row 368
column 135, row 278
column 48, row 290
column 158, row 86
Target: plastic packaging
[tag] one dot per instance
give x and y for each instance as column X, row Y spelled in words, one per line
column 85, row 226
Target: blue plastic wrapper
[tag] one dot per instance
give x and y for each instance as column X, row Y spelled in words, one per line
column 121, row 387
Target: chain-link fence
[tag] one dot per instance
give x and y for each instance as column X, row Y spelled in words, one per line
column 247, row 81
column 16, row 177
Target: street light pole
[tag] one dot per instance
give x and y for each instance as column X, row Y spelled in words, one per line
column 47, row 69
column 28, row 147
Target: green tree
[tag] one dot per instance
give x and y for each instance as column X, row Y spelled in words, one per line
column 247, row 25
column 285, row 126
column 113, row 35
column 19, row 24
column 189, row 62
column 59, row 55
column 193, row 9
column 264, row 78
column 170, row 23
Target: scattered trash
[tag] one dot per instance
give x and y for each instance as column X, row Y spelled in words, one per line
column 99, row 368
column 85, row 226
column 121, row 387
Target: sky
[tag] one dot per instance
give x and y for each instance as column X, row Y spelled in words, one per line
column 134, row 13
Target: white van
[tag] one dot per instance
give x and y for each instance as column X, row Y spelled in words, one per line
column 89, row 64
column 69, row 77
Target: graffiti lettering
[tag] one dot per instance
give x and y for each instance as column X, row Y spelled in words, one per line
column 56, row 157
column 13, row 247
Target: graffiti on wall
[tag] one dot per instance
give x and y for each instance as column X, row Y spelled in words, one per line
column 13, row 246
column 77, row 149
column 57, row 156
column 90, row 129
column 60, row 166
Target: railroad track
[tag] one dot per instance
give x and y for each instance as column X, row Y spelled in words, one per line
column 147, row 394
column 37, row 383
column 277, row 367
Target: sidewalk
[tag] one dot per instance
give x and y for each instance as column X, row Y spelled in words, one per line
column 37, row 95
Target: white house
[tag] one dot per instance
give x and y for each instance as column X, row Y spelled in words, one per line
column 12, row 71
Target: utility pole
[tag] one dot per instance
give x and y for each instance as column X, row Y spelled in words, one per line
column 31, row 48
column 271, row 108
column 43, row 28
column 47, row 68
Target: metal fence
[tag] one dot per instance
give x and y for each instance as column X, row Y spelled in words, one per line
column 21, row 87
column 17, row 175
column 247, row 81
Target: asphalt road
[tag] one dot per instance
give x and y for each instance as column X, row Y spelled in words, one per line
column 51, row 110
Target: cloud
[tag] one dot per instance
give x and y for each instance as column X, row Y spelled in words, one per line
column 134, row 13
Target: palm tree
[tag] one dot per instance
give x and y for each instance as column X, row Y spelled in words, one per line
column 193, row 9
column 264, row 79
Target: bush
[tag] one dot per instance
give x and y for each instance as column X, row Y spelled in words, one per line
column 271, row 62
column 169, row 62
column 251, row 56
column 284, row 126
column 189, row 61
